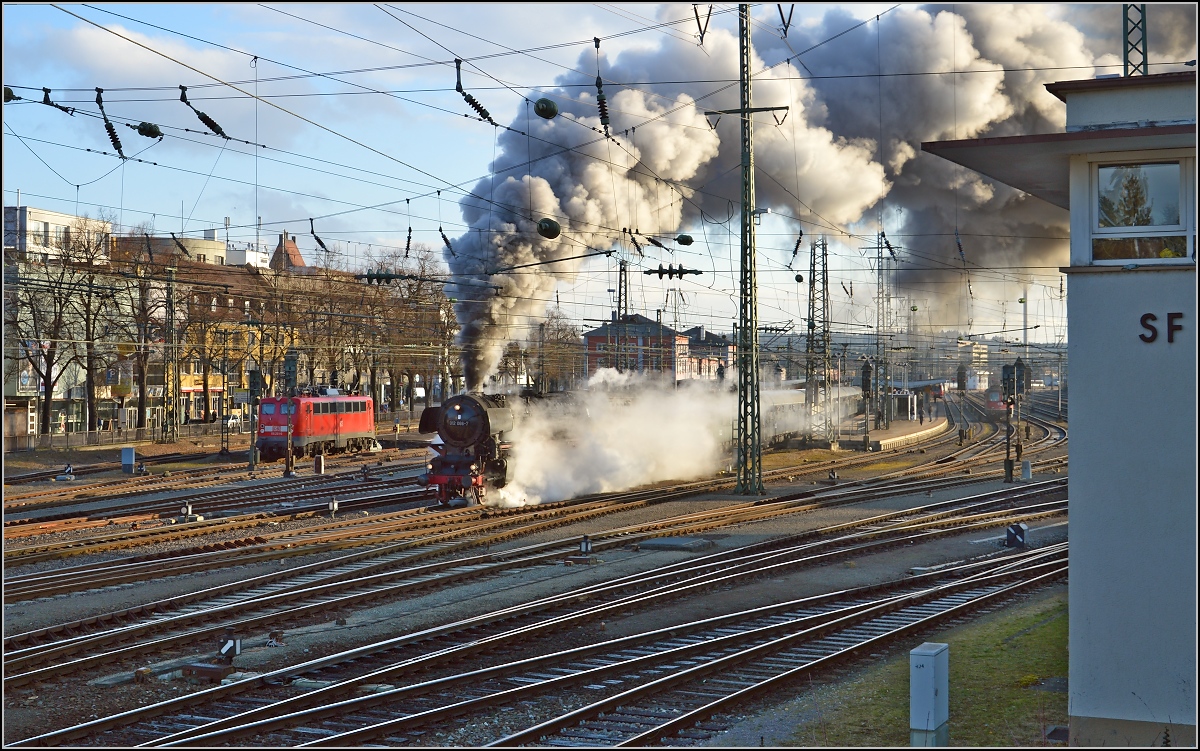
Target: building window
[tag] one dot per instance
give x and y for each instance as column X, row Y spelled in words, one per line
column 1143, row 211
column 220, row 260
column 201, row 258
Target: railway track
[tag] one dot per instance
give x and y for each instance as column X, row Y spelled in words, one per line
column 90, row 469
column 669, row 582
column 722, row 674
column 423, row 562
column 41, row 506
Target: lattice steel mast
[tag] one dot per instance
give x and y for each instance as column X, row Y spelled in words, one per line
column 816, row 360
column 1133, row 19
column 749, row 435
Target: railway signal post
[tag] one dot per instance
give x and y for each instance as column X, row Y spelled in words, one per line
column 1008, row 462
column 290, row 470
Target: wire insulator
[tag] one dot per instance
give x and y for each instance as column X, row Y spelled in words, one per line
column 602, row 102
column 475, row 105
column 149, row 130
column 112, row 136
column 447, row 241
column 212, row 124
column 408, row 243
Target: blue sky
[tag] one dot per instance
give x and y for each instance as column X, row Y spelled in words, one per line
column 364, row 148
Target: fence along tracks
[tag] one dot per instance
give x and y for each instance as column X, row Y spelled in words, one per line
column 487, row 632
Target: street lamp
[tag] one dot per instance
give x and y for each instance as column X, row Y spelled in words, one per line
column 255, row 398
column 224, row 411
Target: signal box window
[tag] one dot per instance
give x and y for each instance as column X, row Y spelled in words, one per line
column 1144, row 211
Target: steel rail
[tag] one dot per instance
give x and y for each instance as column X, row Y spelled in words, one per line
column 538, row 733
column 618, row 605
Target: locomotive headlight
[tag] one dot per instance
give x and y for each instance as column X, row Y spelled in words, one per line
column 474, row 467
column 429, row 466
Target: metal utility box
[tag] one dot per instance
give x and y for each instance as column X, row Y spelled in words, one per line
column 929, row 686
column 128, row 459
column 1017, row 536
column 319, row 464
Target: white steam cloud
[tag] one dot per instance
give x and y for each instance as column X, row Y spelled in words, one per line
column 624, row 431
column 860, row 103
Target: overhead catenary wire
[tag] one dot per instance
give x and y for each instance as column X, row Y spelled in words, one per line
column 411, row 228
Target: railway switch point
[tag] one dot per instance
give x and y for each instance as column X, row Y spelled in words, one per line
column 206, row 671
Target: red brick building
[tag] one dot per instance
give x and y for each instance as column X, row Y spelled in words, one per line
column 638, row 344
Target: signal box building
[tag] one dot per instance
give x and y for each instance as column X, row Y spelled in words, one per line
column 1126, row 170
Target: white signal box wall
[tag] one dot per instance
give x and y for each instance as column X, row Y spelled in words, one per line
column 929, row 686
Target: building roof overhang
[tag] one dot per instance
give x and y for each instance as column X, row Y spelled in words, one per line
column 1040, row 164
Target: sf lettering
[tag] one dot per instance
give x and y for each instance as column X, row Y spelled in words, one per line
column 1151, row 334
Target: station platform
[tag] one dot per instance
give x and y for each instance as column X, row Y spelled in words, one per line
column 851, row 435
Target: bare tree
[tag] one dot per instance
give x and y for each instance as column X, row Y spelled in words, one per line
column 86, row 246
column 562, row 352
column 40, row 323
column 142, row 302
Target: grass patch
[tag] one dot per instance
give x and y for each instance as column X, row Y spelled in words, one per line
column 996, row 665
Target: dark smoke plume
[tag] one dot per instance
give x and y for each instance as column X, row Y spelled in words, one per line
column 850, row 148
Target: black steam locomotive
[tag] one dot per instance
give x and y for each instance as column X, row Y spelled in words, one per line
column 473, row 455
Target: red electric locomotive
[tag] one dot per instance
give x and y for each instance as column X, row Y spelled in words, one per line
column 994, row 404
column 326, row 423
